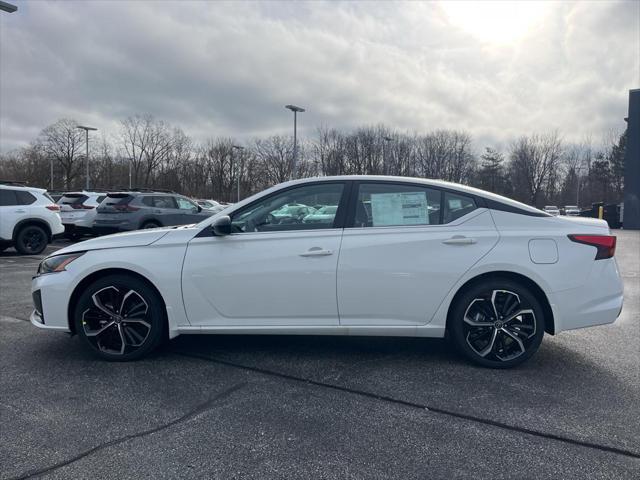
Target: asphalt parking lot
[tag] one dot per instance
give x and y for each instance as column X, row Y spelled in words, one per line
column 318, row 407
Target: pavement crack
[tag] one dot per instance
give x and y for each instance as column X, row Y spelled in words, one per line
column 406, row 403
column 116, row 441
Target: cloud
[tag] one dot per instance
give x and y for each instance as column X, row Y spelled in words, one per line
column 217, row 68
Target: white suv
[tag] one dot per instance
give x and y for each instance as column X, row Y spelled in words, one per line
column 29, row 218
column 78, row 211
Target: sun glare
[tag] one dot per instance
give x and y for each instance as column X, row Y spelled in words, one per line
column 494, row 21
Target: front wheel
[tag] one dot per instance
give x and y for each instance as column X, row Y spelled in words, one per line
column 31, row 240
column 497, row 323
column 120, row 317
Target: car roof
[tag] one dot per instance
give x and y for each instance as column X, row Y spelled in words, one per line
column 22, row 187
column 492, row 197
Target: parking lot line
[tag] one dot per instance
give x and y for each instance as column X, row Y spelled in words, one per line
column 439, row 410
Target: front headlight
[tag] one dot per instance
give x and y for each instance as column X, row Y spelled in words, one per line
column 57, row 263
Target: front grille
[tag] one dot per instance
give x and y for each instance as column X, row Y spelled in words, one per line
column 37, row 303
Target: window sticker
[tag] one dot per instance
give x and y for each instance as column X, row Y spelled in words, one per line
column 407, row 208
column 455, row 204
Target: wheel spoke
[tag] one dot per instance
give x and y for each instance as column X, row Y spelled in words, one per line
column 516, row 339
column 517, row 314
column 136, row 307
column 98, row 332
column 98, row 303
column 489, row 347
column 123, row 343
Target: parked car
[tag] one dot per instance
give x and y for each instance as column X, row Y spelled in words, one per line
column 492, row 272
column 211, row 205
column 321, row 215
column 122, row 211
column 78, row 211
column 29, row 218
column 291, row 213
column 552, row 210
column 572, row 210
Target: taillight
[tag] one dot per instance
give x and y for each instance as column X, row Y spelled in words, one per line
column 53, row 207
column 126, row 208
column 606, row 244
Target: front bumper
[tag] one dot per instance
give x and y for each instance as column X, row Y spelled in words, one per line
column 37, row 320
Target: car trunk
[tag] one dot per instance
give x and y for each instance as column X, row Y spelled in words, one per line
column 115, row 203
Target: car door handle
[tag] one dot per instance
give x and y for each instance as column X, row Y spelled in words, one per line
column 459, row 240
column 316, row 252
column 20, row 211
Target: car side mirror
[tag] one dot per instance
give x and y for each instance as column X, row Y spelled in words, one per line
column 222, row 226
column 198, row 208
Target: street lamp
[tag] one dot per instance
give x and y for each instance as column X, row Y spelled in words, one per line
column 7, row 7
column 295, row 111
column 86, row 130
column 384, row 153
column 237, row 167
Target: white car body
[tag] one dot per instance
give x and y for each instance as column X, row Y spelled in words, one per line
column 79, row 212
column 40, row 211
column 386, row 280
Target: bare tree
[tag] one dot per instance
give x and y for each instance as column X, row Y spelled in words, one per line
column 534, row 166
column 64, row 143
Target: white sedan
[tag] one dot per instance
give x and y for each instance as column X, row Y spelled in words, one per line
column 400, row 257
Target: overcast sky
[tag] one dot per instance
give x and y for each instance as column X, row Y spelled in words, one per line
column 496, row 70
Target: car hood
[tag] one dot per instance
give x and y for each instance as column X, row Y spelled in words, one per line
column 138, row 238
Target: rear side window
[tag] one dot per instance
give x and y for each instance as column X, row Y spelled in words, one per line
column 7, row 197
column 100, row 198
column 24, row 198
column 456, row 206
column 148, row 201
column 385, row 205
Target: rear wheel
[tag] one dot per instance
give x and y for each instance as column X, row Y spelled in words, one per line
column 120, row 317
column 498, row 323
column 31, row 240
column 150, row 225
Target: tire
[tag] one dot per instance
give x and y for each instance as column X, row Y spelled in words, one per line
column 150, row 225
column 31, row 240
column 115, row 333
column 502, row 342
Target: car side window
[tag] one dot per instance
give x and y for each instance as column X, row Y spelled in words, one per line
column 302, row 208
column 24, row 198
column 184, row 204
column 456, row 206
column 7, row 197
column 164, row 201
column 388, row 204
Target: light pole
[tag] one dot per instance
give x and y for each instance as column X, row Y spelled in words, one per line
column 86, row 131
column 384, row 154
column 295, row 110
column 578, row 170
column 237, row 167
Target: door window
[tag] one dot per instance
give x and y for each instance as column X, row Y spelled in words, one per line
column 164, row 201
column 384, row 205
column 456, row 206
column 184, row 204
column 293, row 209
column 7, row 197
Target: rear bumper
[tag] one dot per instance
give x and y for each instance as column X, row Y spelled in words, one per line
column 597, row 302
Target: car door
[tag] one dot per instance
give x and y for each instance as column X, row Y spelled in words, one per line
column 404, row 249
column 269, row 271
column 165, row 210
column 11, row 212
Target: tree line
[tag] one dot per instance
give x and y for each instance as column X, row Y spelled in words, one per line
column 537, row 169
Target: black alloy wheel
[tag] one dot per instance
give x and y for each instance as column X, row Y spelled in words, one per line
column 120, row 317
column 497, row 324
